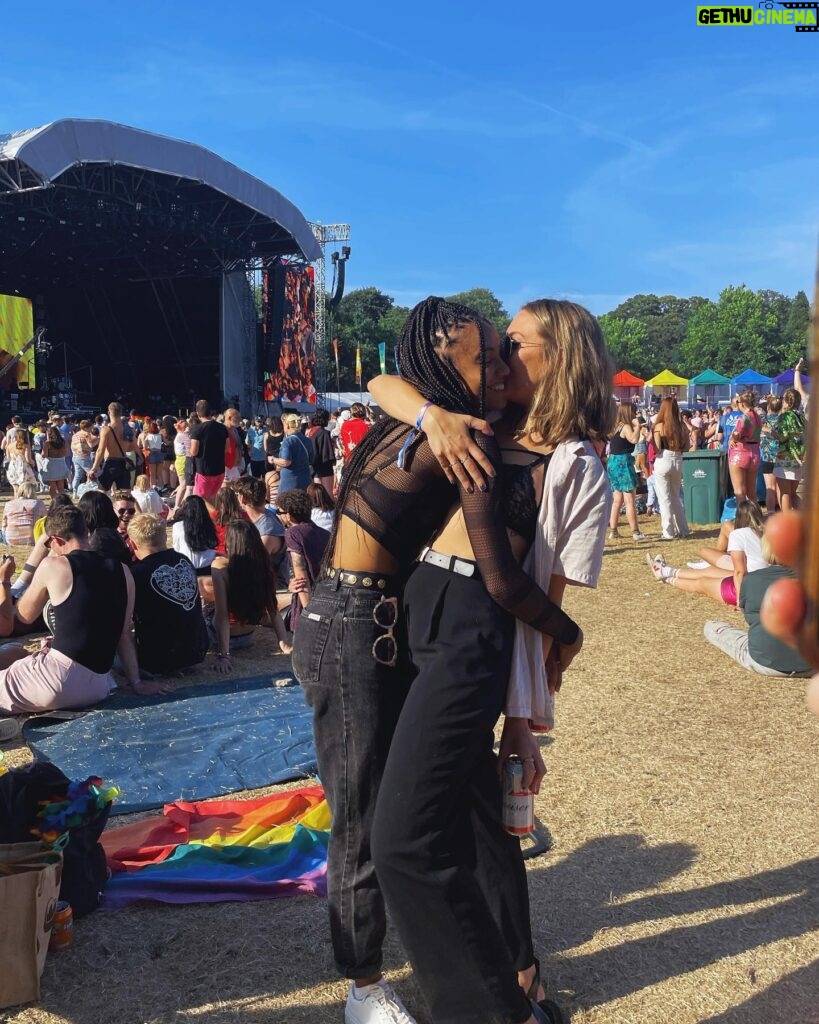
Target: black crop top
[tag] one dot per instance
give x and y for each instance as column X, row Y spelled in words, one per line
column 618, row 445
column 87, row 625
column 403, row 508
column 520, row 506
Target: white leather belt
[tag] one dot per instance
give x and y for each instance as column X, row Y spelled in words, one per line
column 462, row 566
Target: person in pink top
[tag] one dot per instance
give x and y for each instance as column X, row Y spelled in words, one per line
column 743, row 448
column 20, row 515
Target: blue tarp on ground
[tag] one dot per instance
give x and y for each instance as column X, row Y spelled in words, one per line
column 199, row 742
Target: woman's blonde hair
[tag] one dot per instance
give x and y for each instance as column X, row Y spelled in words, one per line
column 291, row 420
column 573, row 398
column 749, row 515
column 774, row 404
column 747, row 398
column 791, row 399
column 767, row 550
column 142, row 483
column 27, row 489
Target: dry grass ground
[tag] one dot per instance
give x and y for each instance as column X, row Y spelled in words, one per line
column 681, row 886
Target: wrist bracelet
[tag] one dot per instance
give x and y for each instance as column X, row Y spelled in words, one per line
column 412, row 435
column 421, row 414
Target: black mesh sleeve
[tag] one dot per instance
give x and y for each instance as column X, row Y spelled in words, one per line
column 505, row 581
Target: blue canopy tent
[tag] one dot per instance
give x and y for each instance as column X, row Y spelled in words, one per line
column 750, row 379
column 709, row 387
column 785, row 380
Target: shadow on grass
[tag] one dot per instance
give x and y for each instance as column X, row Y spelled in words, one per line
column 587, row 893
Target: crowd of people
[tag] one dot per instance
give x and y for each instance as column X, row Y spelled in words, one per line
column 415, row 565
column 206, row 556
column 763, row 436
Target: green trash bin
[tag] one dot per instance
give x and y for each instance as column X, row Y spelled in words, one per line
column 705, row 485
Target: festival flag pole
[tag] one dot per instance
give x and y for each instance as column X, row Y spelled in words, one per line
column 358, row 370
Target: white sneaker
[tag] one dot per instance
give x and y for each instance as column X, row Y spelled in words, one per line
column 375, row 1004
column 9, row 729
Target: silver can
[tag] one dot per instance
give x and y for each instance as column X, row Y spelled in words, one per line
column 518, row 803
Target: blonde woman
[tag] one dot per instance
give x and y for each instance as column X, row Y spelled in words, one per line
column 21, row 465
column 670, row 441
column 621, row 472
column 20, row 515
column 743, row 555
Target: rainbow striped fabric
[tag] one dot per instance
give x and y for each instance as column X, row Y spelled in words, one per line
column 209, row 852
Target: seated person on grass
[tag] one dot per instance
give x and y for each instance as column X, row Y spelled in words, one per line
column 306, row 544
column 88, row 600
column 757, row 649
column 169, row 630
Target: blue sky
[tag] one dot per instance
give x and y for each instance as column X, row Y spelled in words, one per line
column 584, row 151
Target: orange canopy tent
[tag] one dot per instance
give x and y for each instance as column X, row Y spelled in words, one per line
column 625, row 385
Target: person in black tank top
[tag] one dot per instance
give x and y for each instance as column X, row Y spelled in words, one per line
column 89, row 599
column 621, row 472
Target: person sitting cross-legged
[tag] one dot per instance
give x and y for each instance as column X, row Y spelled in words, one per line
column 88, row 601
column 757, row 649
column 169, row 630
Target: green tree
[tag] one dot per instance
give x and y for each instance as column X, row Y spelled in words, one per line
column 729, row 336
column 355, row 321
column 795, row 331
column 487, row 304
column 627, row 341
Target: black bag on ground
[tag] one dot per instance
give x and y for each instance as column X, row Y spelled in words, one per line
column 85, row 871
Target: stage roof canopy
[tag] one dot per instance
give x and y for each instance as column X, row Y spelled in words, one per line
column 92, row 200
column 624, row 379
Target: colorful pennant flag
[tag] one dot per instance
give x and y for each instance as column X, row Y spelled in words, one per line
column 358, row 363
column 382, row 356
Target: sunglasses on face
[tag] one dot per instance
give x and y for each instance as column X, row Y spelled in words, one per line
column 385, row 616
column 124, row 513
column 509, row 345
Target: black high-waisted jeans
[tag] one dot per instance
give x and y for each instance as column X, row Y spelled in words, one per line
column 355, row 704
column 454, row 880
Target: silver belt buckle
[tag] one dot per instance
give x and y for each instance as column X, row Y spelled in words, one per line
column 463, row 568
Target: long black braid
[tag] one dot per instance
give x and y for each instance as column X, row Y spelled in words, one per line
column 419, row 364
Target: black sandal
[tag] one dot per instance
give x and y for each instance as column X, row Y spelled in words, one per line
column 550, row 1012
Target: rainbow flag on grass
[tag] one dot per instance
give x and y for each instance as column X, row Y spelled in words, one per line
column 210, row 852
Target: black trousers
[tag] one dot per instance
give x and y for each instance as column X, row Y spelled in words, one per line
column 453, row 879
column 355, row 703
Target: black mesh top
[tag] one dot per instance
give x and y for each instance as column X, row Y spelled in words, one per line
column 403, row 508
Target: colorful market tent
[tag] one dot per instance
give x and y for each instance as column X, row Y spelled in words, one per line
column 750, row 379
column 785, row 380
column 709, row 387
column 625, row 385
column 667, row 384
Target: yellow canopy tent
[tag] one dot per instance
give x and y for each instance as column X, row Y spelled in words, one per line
column 668, row 385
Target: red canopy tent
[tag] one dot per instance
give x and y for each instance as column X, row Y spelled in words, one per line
column 625, row 385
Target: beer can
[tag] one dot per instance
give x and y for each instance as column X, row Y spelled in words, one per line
column 518, row 803
column 62, row 927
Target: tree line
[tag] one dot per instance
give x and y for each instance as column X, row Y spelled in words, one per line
column 764, row 329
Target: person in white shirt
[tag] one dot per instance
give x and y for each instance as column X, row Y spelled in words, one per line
column 716, row 582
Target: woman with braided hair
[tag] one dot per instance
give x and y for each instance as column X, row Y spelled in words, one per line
column 555, row 505
column 351, row 657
